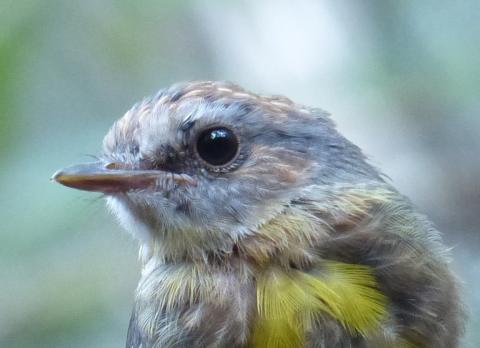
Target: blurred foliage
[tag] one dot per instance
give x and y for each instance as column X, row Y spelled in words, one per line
column 401, row 79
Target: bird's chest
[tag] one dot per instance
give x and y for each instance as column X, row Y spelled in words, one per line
column 202, row 306
column 193, row 305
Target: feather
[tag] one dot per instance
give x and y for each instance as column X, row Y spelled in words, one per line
column 288, row 303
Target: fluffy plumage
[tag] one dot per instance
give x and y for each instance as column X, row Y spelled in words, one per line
column 288, row 303
column 298, row 242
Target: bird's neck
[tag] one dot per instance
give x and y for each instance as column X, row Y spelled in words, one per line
column 228, row 279
column 284, row 240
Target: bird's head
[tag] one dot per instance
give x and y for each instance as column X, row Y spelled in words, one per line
column 202, row 164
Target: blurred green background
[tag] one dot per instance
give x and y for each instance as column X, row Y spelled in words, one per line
column 401, row 78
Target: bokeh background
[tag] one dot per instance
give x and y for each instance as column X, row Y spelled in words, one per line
column 401, row 79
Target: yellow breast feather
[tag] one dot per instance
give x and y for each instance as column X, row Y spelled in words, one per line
column 289, row 302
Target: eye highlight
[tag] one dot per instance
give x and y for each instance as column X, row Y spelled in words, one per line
column 217, row 146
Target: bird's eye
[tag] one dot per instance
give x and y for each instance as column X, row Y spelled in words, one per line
column 217, row 146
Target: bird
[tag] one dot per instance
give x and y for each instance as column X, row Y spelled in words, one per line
column 260, row 225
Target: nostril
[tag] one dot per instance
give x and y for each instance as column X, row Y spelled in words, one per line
column 114, row 165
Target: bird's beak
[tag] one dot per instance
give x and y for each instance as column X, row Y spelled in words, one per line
column 110, row 178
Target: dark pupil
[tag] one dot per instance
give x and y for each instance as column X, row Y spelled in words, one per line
column 217, row 146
